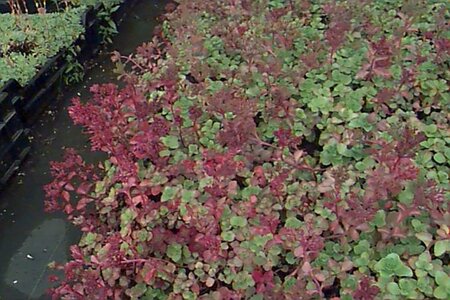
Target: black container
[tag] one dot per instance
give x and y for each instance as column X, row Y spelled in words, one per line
column 4, row 8
column 7, row 164
column 121, row 11
column 30, row 109
column 12, row 155
column 13, row 124
column 43, row 76
column 124, row 7
column 93, row 38
column 6, row 106
column 10, row 87
column 20, row 144
column 88, row 17
column 5, row 139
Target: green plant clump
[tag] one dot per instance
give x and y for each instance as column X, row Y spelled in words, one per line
column 268, row 149
column 28, row 41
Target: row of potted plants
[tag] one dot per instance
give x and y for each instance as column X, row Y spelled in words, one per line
column 267, row 149
column 29, row 40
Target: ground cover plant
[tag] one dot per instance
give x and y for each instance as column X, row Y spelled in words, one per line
column 267, row 150
column 29, row 40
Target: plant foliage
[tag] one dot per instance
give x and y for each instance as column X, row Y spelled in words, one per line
column 267, row 150
column 28, row 41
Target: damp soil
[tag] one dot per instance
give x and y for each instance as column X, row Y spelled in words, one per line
column 29, row 237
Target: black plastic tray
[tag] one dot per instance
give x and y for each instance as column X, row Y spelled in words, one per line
column 13, row 155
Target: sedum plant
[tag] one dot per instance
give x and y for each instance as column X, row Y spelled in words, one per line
column 267, row 150
column 28, row 41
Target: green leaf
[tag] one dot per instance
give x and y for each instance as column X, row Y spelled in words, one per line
column 380, row 219
column 406, row 196
column 430, row 129
column 193, row 149
column 393, row 288
column 341, row 149
column 420, row 273
column 253, row 91
column 90, row 239
column 363, row 260
column 424, row 285
column 441, row 247
column 227, row 236
column 261, row 240
column 289, row 283
column 442, row 279
column 154, row 294
column 447, row 152
column 238, row 221
column 424, row 261
column 319, row 103
column 340, row 77
column 391, row 265
column 418, row 225
column 188, row 295
column 361, row 247
column 293, row 222
column 407, row 286
column 242, row 281
column 127, row 216
column 169, row 193
column 425, row 237
column 137, row 291
column 174, row 252
column 178, row 156
column 170, row 141
column 249, row 191
column 187, row 196
column 164, row 153
column 440, row 293
column 290, row 258
column 439, row 158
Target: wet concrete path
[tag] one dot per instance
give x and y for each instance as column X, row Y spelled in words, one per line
column 29, row 237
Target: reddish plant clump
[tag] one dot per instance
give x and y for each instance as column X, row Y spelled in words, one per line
column 266, row 150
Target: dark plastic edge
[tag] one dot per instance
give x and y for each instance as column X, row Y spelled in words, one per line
column 13, row 156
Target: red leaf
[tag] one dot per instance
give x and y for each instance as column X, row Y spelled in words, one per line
column 139, row 199
column 82, row 203
column 150, row 272
column 65, row 195
column 68, row 209
column 299, row 252
column 69, row 187
column 95, row 260
column 83, row 188
column 156, row 190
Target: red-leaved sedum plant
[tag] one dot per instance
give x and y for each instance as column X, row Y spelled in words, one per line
column 267, row 150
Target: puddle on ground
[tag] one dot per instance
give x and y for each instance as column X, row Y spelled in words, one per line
column 28, row 267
